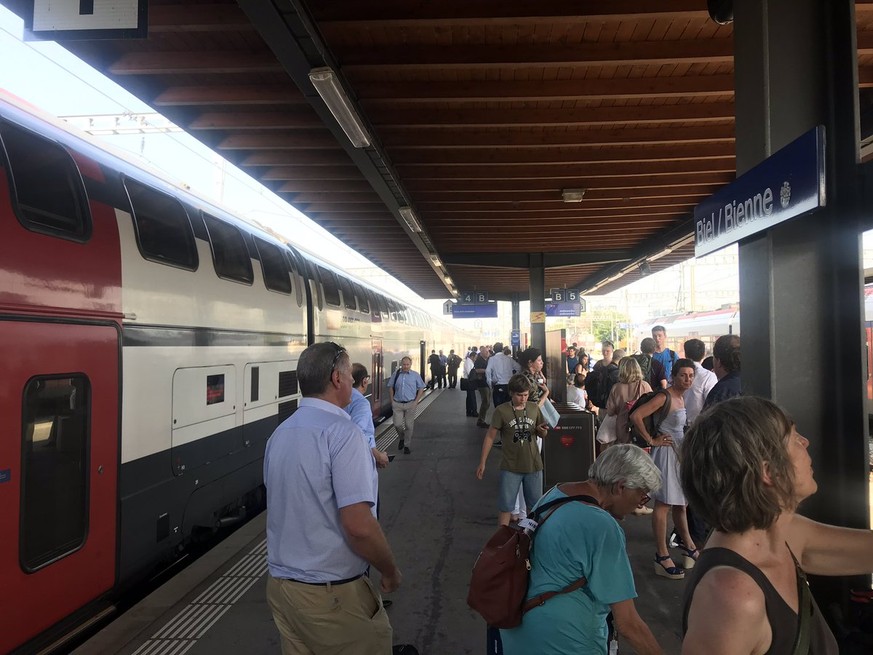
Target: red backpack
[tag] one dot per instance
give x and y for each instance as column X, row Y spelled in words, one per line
column 500, row 577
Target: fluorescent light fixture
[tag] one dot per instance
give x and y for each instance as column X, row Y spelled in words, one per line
column 448, row 279
column 331, row 91
column 409, row 218
column 436, row 260
column 573, row 195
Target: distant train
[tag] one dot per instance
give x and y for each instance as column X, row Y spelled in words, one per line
column 706, row 326
column 149, row 341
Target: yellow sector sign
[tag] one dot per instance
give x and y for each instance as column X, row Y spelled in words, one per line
column 537, row 317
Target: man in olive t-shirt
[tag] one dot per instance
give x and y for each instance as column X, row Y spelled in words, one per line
column 519, row 422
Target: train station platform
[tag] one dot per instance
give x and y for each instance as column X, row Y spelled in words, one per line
column 436, row 515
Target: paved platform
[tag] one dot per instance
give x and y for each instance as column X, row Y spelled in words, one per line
column 436, row 515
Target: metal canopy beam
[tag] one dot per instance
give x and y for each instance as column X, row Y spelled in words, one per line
column 546, row 260
column 299, row 54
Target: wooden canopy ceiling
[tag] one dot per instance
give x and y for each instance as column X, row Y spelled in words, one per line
column 480, row 114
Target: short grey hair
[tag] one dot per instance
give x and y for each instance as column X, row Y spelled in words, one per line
column 625, row 463
column 317, row 363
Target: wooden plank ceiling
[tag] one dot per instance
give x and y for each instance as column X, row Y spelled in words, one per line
column 480, row 113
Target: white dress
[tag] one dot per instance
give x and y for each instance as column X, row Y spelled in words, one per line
column 667, row 462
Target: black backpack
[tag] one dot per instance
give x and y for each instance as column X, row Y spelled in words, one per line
column 592, row 386
column 652, row 421
column 598, row 385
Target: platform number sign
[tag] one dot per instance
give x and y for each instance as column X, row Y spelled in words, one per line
column 474, row 298
column 565, row 295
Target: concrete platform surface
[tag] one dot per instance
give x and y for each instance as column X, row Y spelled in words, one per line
column 436, row 515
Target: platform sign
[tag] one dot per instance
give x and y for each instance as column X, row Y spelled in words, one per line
column 473, row 298
column 67, row 20
column 448, row 307
column 786, row 184
column 488, row 310
column 563, row 308
column 515, row 338
column 537, row 317
column 565, row 295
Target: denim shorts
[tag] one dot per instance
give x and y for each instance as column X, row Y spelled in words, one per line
column 532, row 483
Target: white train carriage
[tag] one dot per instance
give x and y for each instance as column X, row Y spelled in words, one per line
column 150, row 342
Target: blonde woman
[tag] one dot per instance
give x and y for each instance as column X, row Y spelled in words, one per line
column 629, row 388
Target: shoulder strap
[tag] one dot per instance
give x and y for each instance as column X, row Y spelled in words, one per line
column 396, row 376
column 539, row 511
column 540, row 599
column 673, row 356
column 665, row 409
column 804, row 610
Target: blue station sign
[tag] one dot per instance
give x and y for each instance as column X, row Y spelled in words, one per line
column 488, row 310
column 788, row 183
column 563, row 308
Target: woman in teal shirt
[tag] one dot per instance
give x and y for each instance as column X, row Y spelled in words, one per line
column 586, row 540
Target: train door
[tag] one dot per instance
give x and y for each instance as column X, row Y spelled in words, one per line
column 58, row 471
column 377, row 383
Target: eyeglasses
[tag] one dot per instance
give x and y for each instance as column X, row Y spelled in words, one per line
column 644, row 500
column 339, row 353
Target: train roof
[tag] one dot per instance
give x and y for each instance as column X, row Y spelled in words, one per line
column 25, row 114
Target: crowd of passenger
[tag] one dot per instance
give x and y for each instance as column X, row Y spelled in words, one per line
column 727, row 470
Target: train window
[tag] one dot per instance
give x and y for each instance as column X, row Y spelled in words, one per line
column 48, row 192
column 256, row 383
column 383, row 306
column 374, row 306
column 287, row 383
column 348, row 294
column 274, row 266
column 229, row 253
column 163, row 230
column 286, row 409
column 214, row 389
column 363, row 303
column 328, row 283
column 297, row 273
column 54, row 478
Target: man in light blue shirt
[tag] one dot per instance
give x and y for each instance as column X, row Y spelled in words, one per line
column 321, row 527
column 501, row 367
column 407, row 390
column 361, row 413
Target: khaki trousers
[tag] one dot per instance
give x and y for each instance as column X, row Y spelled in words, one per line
column 404, row 420
column 345, row 619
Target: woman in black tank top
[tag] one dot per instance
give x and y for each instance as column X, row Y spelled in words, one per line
column 745, row 469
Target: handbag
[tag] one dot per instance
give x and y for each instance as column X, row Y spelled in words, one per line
column 550, row 413
column 465, row 384
column 607, row 432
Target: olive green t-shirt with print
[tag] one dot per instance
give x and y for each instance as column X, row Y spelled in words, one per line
column 517, row 428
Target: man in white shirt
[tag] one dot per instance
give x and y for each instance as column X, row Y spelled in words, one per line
column 704, row 380
column 501, row 367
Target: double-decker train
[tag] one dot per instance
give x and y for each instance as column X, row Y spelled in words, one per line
column 149, row 342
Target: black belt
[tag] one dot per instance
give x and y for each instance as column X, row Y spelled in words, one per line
column 331, row 582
